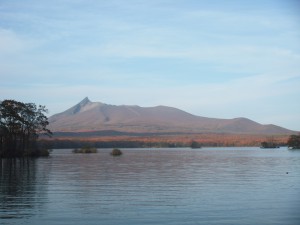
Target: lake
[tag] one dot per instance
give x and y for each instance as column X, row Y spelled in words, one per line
column 153, row 186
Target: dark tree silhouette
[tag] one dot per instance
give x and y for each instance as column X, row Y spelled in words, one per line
column 294, row 142
column 195, row 144
column 20, row 126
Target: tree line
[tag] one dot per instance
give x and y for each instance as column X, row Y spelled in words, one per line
column 20, row 126
column 294, row 142
column 205, row 140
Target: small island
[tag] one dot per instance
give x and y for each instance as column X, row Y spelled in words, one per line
column 269, row 143
column 85, row 150
column 116, row 152
column 195, row 144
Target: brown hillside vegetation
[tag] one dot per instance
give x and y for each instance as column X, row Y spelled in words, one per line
column 205, row 139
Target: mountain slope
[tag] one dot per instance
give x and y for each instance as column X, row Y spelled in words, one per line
column 96, row 116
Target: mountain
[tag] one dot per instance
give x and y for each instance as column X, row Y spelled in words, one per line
column 96, row 116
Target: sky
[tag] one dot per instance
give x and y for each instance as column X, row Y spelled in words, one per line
column 220, row 59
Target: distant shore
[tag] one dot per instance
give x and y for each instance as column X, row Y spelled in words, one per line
column 167, row 140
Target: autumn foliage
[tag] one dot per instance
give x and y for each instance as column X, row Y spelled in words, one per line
column 159, row 140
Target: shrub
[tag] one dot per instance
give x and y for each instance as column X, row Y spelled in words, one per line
column 116, row 152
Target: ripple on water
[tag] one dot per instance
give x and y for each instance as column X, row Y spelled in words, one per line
column 154, row 186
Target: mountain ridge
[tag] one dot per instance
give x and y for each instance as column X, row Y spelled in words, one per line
column 98, row 116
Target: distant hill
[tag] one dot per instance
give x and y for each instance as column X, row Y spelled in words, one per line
column 87, row 116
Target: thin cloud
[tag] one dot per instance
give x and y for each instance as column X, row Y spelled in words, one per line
column 220, row 60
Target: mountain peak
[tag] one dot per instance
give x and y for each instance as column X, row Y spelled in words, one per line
column 87, row 115
column 84, row 101
column 77, row 108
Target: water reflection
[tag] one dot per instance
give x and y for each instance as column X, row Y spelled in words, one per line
column 19, row 191
column 162, row 186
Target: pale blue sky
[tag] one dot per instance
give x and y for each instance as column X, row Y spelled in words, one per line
column 216, row 58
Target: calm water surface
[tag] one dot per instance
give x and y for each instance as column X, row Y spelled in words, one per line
column 153, row 186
